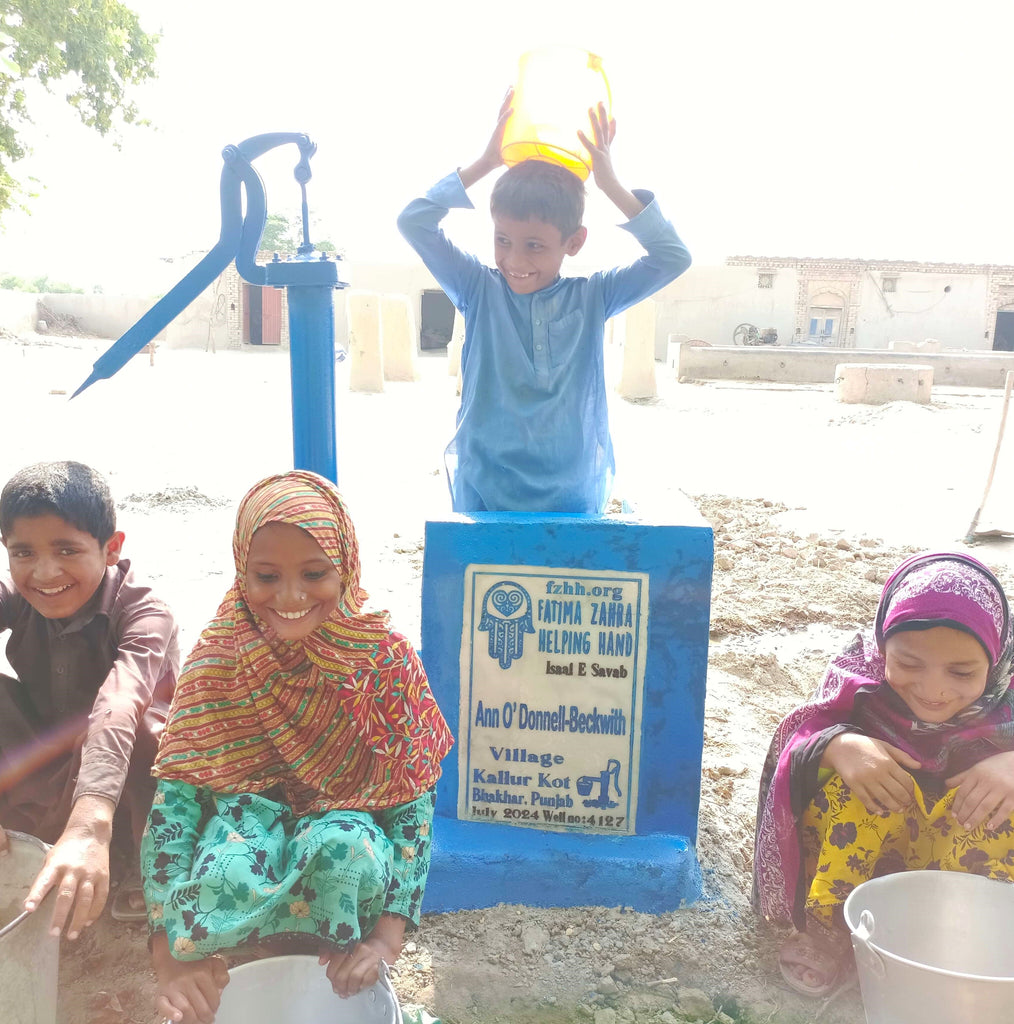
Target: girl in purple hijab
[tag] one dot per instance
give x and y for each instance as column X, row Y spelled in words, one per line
column 903, row 759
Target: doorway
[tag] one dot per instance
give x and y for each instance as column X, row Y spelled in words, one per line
column 262, row 315
column 1003, row 332
column 825, row 324
column 437, row 320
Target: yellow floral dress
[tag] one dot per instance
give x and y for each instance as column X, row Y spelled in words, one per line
column 845, row 845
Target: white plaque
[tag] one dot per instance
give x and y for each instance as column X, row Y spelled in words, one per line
column 552, row 676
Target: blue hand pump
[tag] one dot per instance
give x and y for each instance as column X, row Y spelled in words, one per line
column 310, row 282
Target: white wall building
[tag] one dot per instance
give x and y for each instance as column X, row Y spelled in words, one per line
column 843, row 303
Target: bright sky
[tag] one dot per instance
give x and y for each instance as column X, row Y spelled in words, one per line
column 873, row 128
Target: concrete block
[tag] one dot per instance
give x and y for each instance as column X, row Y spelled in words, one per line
column 873, row 384
column 901, row 346
column 819, row 365
column 929, row 345
column 366, row 359
column 569, row 657
column 637, row 378
column 398, row 338
column 672, row 352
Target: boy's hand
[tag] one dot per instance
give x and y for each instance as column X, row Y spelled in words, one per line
column 604, row 129
column 78, row 866
column 491, row 158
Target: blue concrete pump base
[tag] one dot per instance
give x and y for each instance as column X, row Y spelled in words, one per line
column 651, row 873
column 652, row 868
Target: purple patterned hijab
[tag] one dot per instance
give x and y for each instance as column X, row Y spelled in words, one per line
column 925, row 591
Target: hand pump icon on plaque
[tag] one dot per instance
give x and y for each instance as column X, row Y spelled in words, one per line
column 611, row 774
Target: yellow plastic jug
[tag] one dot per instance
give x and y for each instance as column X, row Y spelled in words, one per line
column 555, row 87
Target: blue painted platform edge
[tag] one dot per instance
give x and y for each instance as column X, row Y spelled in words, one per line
column 478, row 865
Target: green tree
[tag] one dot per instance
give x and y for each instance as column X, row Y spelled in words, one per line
column 98, row 45
column 10, row 282
column 279, row 234
column 285, row 235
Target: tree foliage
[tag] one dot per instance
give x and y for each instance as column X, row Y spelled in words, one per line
column 278, row 235
column 285, row 235
column 9, row 282
column 96, row 46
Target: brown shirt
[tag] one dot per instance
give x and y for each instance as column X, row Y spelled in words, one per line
column 112, row 665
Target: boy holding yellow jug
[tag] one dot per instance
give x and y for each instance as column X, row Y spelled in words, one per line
column 533, row 429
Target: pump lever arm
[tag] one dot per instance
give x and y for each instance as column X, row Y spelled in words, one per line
column 238, row 239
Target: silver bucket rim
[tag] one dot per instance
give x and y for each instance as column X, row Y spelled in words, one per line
column 383, row 982
column 31, row 841
column 896, row 957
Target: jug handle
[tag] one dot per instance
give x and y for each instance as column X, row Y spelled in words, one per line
column 595, row 64
column 866, row 955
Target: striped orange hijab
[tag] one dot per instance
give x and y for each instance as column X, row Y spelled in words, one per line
column 343, row 718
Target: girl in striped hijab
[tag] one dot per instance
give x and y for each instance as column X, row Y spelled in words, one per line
column 297, row 769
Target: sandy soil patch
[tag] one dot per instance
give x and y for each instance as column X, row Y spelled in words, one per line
column 812, row 503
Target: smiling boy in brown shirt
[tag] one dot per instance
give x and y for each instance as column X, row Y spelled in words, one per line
column 96, row 658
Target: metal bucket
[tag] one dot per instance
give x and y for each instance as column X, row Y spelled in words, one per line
column 29, row 955
column 933, row 947
column 295, row 988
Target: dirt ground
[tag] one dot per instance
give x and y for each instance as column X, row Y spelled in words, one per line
column 812, row 503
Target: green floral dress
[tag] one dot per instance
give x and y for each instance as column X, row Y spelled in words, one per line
column 222, row 870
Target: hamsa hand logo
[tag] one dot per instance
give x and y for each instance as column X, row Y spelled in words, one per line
column 506, row 616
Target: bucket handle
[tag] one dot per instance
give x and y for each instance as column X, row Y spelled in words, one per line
column 866, row 955
column 23, row 837
column 384, row 981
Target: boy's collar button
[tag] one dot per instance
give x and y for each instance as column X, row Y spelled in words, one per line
column 538, row 323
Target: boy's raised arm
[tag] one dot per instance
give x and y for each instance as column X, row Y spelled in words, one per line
column 491, row 158
column 666, row 257
column 604, row 130
column 419, row 223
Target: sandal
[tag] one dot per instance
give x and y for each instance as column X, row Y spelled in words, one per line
column 821, row 961
column 128, row 904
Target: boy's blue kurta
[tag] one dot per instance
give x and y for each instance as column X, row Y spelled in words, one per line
column 533, row 426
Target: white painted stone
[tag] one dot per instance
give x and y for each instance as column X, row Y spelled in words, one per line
column 902, row 346
column 929, row 345
column 454, row 347
column 873, row 384
column 366, row 360
column 398, row 338
column 637, row 379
